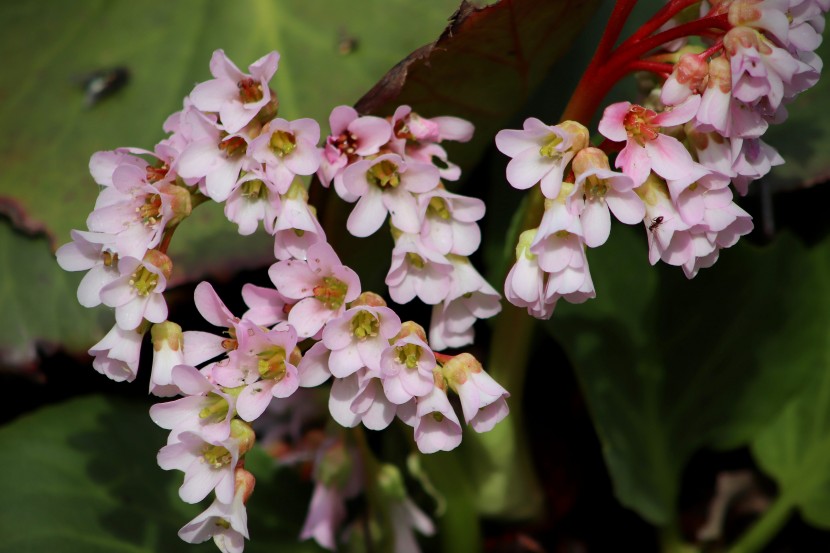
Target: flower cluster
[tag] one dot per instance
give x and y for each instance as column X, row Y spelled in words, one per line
column 699, row 132
column 228, row 145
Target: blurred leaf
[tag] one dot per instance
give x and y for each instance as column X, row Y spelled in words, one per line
column 795, row 449
column 39, row 302
column 81, row 477
column 483, row 67
column 804, row 138
column 669, row 366
column 331, row 54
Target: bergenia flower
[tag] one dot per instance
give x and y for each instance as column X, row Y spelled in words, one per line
column 437, row 427
column 357, row 338
column 92, row 252
column 417, row 270
column 116, row 356
column 449, row 221
column 137, row 293
column 406, row 368
column 321, row 287
column 287, row 149
column 352, row 137
column 647, row 148
column 237, row 97
column 540, row 153
column 482, row 398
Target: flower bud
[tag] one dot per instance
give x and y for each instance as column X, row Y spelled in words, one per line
column 244, row 434
column 390, row 482
column 160, row 261
column 578, row 132
column 370, row 299
column 180, row 203
column 167, row 353
column 244, row 482
column 458, row 369
column 687, row 78
column 589, row 159
column 720, row 74
column 408, row 328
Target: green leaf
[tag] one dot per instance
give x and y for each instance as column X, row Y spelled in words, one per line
column 81, row 477
column 669, row 366
column 795, row 448
column 39, row 301
column 331, row 54
column 483, row 67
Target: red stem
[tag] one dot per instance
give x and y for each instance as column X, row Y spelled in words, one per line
column 636, row 50
column 622, row 9
column 711, row 51
column 658, row 20
column 651, row 66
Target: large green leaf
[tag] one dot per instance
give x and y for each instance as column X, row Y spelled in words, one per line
column 669, row 365
column 81, row 477
column 331, row 54
column 795, row 449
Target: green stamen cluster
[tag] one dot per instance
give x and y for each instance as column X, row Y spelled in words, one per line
column 216, row 456
column 272, row 363
column 282, row 143
column 415, row 260
column 216, row 410
column 408, row 354
column 549, row 148
column 438, row 207
column 254, row 190
column 384, row 175
column 364, row 325
column 332, row 292
column 144, row 281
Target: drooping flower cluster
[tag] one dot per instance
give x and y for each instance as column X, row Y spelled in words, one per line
column 228, row 145
column 678, row 155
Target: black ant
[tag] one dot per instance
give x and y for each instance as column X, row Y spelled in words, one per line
column 656, row 222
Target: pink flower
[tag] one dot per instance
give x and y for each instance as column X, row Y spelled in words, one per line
column 408, row 125
column 386, row 184
column 208, row 465
column 540, row 153
column 482, row 398
column 234, row 95
column 267, row 306
column 253, row 199
column 92, row 252
column 214, row 155
column 417, row 270
column 470, row 298
column 321, row 285
column 646, row 148
column 721, row 111
column 313, row 369
column 296, row 228
column 598, row 190
column 687, row 78
column 357, row 338
column 326, row 513
column 449, row 221
column 287, row 149
column 226, row 523
column 406, row 516
column 137, row 293
column 358, row 398
column 168, row 346
column 352, row 137
column 116, row 356
column 753, row 158
column 205, row 409
column 202, row 346
column 437, row 427
column 264, row 366
column 406, row 369
column 525, row 283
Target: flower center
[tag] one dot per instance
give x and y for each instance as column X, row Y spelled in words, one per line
column 549, row 149
column 231, row 342
column 438, row 207
column 254, row 190
column 234, row 146
column 215, row 410
column 415, row 260
column 249, row 90
column 346, row 143
column 638, row 124
column 595, row 188
column 384, row 174
column 216, row 456
column 364, row 325
column 110, row 259
column 332, row 292
column 155, row 174
column 408, row 355
column 283, row 143
column 150, row 211
column 272, row 363
column 143, row 281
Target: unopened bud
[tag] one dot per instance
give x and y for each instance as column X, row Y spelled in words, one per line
column 578, row 132
column 160, row 261
column 180, row 203
column 167, row 353
column 687, row 78
column 244, row 483
column 523, row 245
column 458, row 369
column 720, row 74
column 409, row 328
column 370, row 299
column 242, row 432
column 744, row 12
column 589, row 159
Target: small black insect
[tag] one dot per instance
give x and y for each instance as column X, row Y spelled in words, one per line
column 656, row 222
column 103, row 83
column 346, row 43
